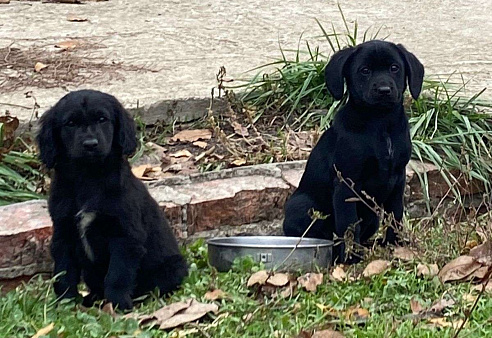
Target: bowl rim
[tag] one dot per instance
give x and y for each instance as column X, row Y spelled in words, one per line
column 309, row 243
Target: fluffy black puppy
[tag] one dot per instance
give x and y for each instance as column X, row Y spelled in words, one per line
column 107, row 229
column 368, row 143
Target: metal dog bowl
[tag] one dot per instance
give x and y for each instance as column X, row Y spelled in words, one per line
column 271, row 250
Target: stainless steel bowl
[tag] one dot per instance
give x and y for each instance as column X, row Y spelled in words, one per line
column 272, row 251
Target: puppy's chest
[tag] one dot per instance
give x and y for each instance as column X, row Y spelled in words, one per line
column 94, row 232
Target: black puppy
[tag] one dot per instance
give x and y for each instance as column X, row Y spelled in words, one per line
column 368, row 143
column 107, row 229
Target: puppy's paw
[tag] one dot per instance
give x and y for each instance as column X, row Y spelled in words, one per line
column 121, row 300
column 90, row 299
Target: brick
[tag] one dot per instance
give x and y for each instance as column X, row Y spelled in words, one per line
column 25, row 232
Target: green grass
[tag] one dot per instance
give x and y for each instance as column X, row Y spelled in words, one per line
column 387, row 297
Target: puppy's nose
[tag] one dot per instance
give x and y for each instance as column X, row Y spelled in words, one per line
column 90, row 143
column 384, row 90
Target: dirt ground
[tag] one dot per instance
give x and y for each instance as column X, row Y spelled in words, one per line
column 172, row 49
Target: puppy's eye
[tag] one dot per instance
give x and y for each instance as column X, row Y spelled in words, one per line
column 394, row 68
column 365, row 71
column 102, row 119
column 70, row 123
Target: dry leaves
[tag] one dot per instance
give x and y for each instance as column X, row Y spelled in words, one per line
column 376, row 267
column 39, row 66
column 310, row 281
column 239, row 162
column 182, row 153
column 239, row 129
column 403, row 253
column 200, row 144
column 427, row 270
column 459, row 269
column 176, row 314
column 327, row 334
column 477, row 265
column 67, row 45
column 215, row 294
column 263, row 277
column 9, row 126
column 44, row 331
column 357, row 313
column 192, row 135
column 339, row 274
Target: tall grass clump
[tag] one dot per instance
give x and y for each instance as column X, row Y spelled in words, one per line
column 447, row 129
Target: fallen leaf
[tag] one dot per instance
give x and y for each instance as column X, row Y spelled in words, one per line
column 192, row 135
column 39, row 66
column 181, row 153
column 376, row 267
column 68, row 44
column 483, row 253
column 310, row 281
column 200, row 144
column 239, row 162
column 352, row 199
column 327, row 334
column 441, row 322
column 108, row 308
column 44, row 331
column 239, row 129
column 471, row 244
column 74, row 18
column 439, row 306
column 259, row 277
column 141, row 170
column 278, row 279
column 356, row 313
column 479, row 287
column 215, row 294
column 195, row 311
column 9, row 126
column 481, row 273
column 427, row 270
column 339, row 274
column 458, row 269
column 470, row 298
column 415, row 306
column 403, row 253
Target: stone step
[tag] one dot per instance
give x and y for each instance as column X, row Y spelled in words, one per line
column 245, row 199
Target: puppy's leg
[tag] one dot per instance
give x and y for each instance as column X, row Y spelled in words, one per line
column 94, row 278
column 394, row 205
column 63, row 253
column 345, row 216
column 298, row 218
column 120, row 281
column 166, row 276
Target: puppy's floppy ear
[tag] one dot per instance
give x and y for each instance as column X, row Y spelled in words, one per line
column 414, row 71
column 125, row 133
column 48, row 147
column 334, row 72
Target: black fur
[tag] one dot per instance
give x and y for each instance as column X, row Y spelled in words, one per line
column 368, row 143
column 107, row 229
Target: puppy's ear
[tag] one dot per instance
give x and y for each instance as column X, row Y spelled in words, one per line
column 414, row 71
column 125, row 133
column 48, row 148
column 334, row 72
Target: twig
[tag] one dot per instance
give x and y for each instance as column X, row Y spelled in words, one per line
column 314, row 219
column 14, row 105
column 468, row 314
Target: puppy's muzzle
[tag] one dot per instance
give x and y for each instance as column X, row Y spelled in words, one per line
column 90, row 144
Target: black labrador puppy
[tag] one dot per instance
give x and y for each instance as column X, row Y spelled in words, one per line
column 368, row 144
column 107, row 229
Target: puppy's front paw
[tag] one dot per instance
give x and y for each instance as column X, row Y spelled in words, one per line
column 121, row 300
